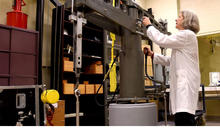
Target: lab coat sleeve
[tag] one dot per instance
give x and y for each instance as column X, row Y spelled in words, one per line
column 174, row 41
column 160, row 59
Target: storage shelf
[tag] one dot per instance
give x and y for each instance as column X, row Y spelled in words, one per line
column 92, row 56
column 85, row 27
column 83, row 95
column 70, row 36
column 94, row 41
column 69, row 10
column 90, row 28
column 84, row 56
column 86, row 39
column 83, row 73
column 69, row 22
column 109, row 45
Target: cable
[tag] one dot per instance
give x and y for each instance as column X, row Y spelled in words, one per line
column 50, row 113
column 156, row 81
column 105, row 77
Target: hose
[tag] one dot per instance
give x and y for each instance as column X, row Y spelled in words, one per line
column 156, row 81
column 105, row 77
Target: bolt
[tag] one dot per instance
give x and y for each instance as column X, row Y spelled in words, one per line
column 79, row 35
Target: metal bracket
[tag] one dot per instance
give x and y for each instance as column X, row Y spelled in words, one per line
column 77, row 94
column 20, row 101
column 78, row 53
column 72, row 17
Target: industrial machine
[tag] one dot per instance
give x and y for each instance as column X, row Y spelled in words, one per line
column 124, row 18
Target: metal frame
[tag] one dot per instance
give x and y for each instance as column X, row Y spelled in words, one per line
column 113, row 18
column 122, row 23
column 37, row 100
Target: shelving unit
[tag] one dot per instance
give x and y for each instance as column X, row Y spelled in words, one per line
column 92, row 52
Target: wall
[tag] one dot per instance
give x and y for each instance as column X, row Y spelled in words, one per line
column 164, row 10
column 209, row 17
column 208, row 13
column 142, row 3
column 209, row 61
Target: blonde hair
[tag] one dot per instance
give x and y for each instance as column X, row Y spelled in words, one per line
column 190, row 21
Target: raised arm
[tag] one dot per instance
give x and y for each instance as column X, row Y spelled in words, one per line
column 174, row 41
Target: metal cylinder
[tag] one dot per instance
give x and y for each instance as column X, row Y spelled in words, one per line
column 133, row 114
column 131, row 66
column 17, row 19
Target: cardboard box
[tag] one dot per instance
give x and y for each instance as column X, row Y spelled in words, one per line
column 96, row 88
column 59, row 114
column 68, row 88
column 90, row 88
column 82, row 88
column 85, row 82
column 66, row 58
column 57, row 123
column 64, row 81
column 68, row 66
column 95, row 68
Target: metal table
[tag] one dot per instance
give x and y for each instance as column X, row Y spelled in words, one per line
column 37, row 102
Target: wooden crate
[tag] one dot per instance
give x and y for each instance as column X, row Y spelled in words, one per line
column 95, row 68
column 96, row 88
column 68, row 88
column 66, row 59
column 68, row 66
column 59, row 114
column 85, row 82
column 90, row 88
column 82, row 88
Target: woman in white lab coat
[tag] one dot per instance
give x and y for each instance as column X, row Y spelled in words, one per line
column 184, row 65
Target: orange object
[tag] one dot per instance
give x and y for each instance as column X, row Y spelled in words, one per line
column 58, row 118
column 97, row 87
column 85, row 82
column 68, row 66
column 90, row 89
column 94, row 68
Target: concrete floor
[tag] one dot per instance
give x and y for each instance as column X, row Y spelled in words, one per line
column 208, row 123
column 212, row 123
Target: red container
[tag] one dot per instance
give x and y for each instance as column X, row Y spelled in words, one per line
column 17, row 19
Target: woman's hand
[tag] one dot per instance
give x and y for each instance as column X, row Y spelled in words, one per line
column 148, row 51
column 146, row 21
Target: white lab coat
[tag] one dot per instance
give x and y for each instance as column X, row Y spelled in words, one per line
column 184, row 68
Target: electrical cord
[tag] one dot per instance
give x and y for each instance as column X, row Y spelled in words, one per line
column 50, row 113
column 105, row 77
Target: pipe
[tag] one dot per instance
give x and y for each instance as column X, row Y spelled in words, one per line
column 132, row 63
column 39, row 28
column 131, row 66
column 56, row 3
column 72, row 6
